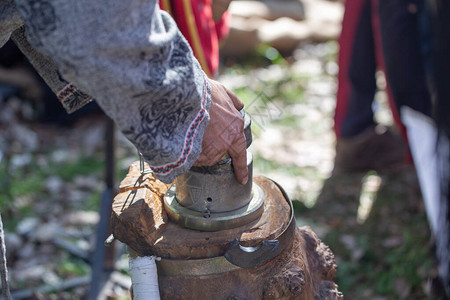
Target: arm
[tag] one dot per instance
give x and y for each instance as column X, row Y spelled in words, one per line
column 132, row 59
column 10, row 20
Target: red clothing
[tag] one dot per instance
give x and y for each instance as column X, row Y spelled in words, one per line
column 361, row 52
column 195, row 21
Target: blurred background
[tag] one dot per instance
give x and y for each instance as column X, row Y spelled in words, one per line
column 281, row 60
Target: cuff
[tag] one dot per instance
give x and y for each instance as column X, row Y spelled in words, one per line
column 192, row 144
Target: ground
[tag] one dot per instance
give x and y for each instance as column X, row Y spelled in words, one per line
column 374, row 223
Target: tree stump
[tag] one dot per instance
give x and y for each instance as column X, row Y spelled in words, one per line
column 193, row 265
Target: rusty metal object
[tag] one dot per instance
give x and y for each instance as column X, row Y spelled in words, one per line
column 247, row 128
column 303, row 271
column 259, row 252
column 195, row 267
column 210, row 198
column 236, row 257
column 250, row 257
column 206, row 220
column 214, row 189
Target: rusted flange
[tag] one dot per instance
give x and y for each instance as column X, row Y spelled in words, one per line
column 236, row 257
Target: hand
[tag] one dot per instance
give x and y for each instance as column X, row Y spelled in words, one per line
column 218, row 8
column 225, row 132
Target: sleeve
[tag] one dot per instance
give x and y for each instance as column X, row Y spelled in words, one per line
column 11, row 26
column 10, row 20
column 132, row 59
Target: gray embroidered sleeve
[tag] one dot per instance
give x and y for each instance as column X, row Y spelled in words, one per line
column 11, row 25
column 10, row 20
column 132, row 59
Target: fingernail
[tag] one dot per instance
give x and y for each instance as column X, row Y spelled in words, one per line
column 244, row 180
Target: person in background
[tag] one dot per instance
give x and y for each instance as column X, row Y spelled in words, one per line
column 377, row 35
column 396, row 36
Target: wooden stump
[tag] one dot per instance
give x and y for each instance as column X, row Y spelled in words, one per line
column 304, row 270
column 138, row 215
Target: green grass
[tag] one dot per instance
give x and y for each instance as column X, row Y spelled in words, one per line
column 265, row 166
column 84, row 166
column 264, row 56
column 380, row 267
column 27, row 184
column 71, row 267
column 92, row 203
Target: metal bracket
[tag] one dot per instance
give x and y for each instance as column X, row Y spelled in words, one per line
column 235, row 257
column 249, row 257
column 142, row 165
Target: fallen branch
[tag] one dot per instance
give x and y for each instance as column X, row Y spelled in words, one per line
column 71, row 249
column 45, row 289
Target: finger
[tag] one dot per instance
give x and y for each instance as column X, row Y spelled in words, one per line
column 236, row 102
column 209, row 159
column 238, row 153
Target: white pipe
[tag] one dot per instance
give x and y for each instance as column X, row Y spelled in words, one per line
column 144, row 278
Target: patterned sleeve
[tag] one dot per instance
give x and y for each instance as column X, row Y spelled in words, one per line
column 132, row 59
column 10, row 20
